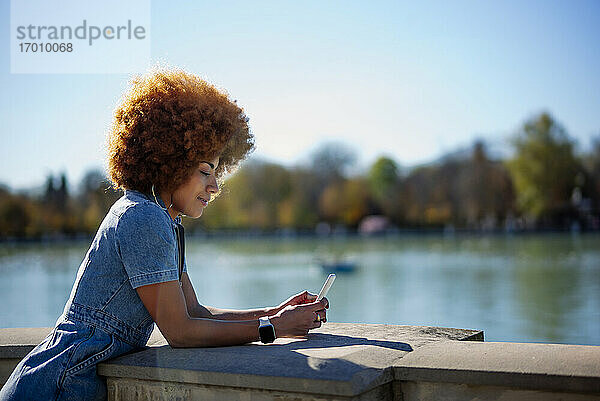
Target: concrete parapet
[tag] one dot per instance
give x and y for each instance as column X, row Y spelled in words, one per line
column 504, row 371
column 342, row 361
column 15, row 343
column 337, row 361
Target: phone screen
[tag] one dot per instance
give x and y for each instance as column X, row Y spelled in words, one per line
column 326, row 286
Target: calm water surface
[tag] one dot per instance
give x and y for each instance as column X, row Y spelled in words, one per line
column 532, row 288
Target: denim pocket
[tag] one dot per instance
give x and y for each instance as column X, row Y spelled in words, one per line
column 91, row 354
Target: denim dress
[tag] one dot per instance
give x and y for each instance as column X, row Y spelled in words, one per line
column 104, row 317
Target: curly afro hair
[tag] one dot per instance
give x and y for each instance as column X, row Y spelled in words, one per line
column 166, row 124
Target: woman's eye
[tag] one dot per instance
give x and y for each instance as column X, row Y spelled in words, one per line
column 205, row 173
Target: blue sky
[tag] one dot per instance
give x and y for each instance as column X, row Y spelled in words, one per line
column 408, row 80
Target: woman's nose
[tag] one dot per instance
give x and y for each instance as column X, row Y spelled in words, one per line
column 213, row 185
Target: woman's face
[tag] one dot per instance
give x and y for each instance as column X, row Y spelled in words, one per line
column 191, row 197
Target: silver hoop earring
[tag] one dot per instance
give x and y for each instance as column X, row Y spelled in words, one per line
column 156, row 200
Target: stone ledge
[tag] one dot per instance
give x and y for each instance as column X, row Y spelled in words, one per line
column 340, row 359
column 17, row 342
column 548, row 367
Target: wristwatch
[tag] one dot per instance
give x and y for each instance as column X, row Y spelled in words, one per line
column 266, row 331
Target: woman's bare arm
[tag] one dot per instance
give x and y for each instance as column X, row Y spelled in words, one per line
column 167, row 306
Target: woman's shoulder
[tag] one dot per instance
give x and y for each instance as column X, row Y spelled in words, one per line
column 135, row 208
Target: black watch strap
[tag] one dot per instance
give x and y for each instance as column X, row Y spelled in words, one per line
column 266, row 331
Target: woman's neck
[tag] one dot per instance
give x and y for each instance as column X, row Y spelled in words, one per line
column 167, row 199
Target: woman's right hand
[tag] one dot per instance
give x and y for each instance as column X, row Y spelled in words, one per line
column 297, row 320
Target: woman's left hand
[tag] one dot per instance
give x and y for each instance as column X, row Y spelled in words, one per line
column 304, row 297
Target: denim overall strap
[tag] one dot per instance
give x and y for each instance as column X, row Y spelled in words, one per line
column 181, row 245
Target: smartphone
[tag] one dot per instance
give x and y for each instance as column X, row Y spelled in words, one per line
column 326, row 287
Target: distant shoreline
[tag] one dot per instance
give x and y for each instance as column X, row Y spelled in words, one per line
column 302, row 234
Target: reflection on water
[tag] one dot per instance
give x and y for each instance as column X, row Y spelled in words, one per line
column 543, row 288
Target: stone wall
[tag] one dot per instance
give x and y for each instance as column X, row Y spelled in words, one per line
column 342, row 361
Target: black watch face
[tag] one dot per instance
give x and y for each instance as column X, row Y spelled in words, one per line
column 267, row 334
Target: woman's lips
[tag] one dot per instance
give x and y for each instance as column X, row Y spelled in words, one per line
column 204, row 201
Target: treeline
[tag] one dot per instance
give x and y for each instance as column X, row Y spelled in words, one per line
column 544, row 185
column 57, row 212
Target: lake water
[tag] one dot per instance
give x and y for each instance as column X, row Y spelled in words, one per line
column 529, row 288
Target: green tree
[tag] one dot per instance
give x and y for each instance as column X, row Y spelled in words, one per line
column 345, row 202
column 592, row 164
column 250, row 198
column 386, row 190
column 485, row 189
column 15, row 216
column 383, row 178
column 544, row 167
column 96, row 196
column 299, row 209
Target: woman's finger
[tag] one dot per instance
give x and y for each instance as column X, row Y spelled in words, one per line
column 310, row 297
column 315, row 325
column 304, row 297
column 322, row 304
column 319, row 317
column 315, row 317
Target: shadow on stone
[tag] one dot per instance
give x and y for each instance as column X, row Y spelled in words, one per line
column 323, row 340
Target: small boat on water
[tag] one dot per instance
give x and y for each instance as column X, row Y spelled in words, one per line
column 338, row 267
column 335, row 264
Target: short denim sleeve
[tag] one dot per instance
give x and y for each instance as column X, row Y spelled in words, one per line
column 147, row 245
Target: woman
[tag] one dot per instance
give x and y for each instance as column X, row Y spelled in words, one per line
column 173, row 138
